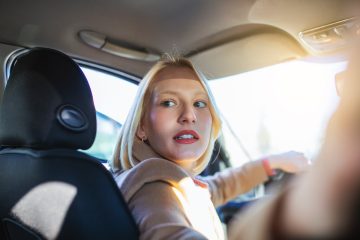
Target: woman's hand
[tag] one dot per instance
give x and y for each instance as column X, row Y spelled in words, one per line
column 291, row 162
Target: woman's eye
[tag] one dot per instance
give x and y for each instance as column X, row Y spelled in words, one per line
column 200, row 104
column 168, row 103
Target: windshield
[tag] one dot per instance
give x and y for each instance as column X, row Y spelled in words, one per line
column 278, row 108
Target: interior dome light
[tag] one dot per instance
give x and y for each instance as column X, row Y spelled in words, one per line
column 332, row 36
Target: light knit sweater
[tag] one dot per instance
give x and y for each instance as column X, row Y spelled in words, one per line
column 167, row 203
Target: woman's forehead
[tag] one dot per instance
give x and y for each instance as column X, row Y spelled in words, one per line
column 176, row 72
column 179, row 86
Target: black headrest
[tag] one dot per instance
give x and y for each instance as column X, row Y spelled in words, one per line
column 47, row 103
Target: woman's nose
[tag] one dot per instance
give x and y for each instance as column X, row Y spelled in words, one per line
column 187, row 115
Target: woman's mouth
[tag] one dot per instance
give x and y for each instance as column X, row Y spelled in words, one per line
column 186, row 137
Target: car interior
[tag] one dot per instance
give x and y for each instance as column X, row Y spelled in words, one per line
column 270, row 63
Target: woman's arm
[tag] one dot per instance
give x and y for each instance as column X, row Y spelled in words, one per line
column 230, row 183
column 159, row 214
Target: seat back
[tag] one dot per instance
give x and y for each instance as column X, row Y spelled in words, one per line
column 48, row 189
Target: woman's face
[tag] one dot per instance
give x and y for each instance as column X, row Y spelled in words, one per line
column 177, row 122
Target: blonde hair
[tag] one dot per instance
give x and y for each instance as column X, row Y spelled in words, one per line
column 123, row 156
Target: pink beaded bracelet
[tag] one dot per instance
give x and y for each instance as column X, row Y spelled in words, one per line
column 269, row 171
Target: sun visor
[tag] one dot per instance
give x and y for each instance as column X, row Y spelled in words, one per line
column 247, row 53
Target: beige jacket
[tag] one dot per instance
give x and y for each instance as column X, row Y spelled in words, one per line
column 166, row 202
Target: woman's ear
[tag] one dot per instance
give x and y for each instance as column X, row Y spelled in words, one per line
column 140, row 133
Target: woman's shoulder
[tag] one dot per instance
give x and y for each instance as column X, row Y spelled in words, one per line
column 148, row 171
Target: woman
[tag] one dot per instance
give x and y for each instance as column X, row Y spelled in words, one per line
column 166, row 141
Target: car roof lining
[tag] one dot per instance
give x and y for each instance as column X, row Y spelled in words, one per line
column 162, row 26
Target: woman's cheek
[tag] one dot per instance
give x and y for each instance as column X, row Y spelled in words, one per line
column 206, row 122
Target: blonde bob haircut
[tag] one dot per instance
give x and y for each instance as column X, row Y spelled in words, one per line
column 123, row 156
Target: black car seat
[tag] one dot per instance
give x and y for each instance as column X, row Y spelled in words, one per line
column 48, row 189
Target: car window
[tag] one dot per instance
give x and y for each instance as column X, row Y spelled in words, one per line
column 113, row 96
column 278, row 108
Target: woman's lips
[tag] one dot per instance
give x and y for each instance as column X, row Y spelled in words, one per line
column 186, row 137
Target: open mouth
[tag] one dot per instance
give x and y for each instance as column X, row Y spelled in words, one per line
column 186, row 137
